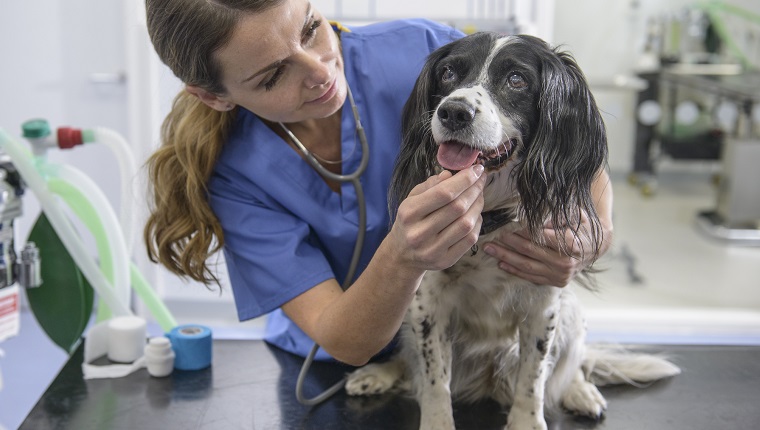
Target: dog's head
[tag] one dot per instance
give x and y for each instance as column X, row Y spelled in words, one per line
column 520, row 108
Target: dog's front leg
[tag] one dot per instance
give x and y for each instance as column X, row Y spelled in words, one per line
column 432, row 350
column 536, row 338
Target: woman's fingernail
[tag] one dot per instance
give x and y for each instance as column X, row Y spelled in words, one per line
column 489, row 250
column 478, row 169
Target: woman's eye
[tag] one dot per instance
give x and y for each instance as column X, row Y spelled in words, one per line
column 517, row 80
column 269, row 84
column 449, row 75
column 308, row 35
column 311, row 31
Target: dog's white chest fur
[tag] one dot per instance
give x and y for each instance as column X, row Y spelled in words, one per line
column 485, row 301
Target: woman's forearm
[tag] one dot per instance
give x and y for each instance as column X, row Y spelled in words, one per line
column 601, row 190
column 435, row 225
column 366, row 317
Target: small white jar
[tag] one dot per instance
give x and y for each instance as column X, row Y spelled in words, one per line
column 159, row 356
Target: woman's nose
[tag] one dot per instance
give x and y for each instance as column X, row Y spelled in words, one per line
column 318, row 71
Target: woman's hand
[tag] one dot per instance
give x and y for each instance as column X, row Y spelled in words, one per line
column 546, row 264
column 440, row 219
column 549, row 264
column 436, row 224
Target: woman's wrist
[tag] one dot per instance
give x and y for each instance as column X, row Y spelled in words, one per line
column 392, row 263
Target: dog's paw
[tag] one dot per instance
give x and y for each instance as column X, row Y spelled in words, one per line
column 525, row 420
column 370, row 380
column 584, row 399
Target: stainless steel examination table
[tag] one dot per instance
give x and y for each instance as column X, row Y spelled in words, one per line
column 250, row 385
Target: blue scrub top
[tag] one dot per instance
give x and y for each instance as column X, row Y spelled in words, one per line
column 285, row 230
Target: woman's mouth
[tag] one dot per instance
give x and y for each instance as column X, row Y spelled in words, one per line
column 327, row 95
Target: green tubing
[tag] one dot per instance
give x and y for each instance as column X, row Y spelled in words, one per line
column 714, row 9
column 722, row 30
column 154, row 303
column 26, row 167
column 88, row 136
column 84, row 210
column 738, row 11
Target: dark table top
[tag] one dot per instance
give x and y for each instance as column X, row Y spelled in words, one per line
column 250, row 385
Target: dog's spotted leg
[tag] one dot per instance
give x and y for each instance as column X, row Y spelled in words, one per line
column 432, row 351
column 536, row 337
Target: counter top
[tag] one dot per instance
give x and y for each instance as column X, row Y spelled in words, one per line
column 250, row 385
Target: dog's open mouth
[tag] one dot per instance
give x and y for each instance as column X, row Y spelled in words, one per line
column 455, row 155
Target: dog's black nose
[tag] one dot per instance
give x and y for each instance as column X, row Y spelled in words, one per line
column 456, row 114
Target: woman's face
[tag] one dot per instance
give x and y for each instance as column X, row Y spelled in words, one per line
column 284, row 64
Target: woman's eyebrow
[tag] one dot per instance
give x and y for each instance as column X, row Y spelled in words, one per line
column 274, row 65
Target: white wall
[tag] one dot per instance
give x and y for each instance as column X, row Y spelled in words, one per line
column 533, row 16
column 56, row 58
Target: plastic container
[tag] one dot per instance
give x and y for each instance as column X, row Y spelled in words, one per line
column 159, row 357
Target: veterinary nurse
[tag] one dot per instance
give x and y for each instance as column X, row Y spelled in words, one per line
column 229, row 175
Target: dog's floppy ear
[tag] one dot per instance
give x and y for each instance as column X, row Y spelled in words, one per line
column 568, row 149
column 416, row 159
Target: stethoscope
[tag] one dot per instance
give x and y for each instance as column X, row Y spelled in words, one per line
column 354, row 179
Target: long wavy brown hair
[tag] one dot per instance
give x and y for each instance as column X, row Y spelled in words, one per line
column 182, row 231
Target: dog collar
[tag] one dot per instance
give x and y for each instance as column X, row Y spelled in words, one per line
column 494, row 219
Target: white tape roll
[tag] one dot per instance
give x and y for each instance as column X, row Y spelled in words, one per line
column 126, row 338
column 121, row 339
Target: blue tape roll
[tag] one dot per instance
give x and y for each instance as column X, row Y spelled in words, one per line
column 192, row 346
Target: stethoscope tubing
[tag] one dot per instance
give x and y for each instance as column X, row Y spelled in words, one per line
column 316, row 165
column 355, row 180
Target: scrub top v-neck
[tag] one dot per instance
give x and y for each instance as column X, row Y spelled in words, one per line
column 285, row 230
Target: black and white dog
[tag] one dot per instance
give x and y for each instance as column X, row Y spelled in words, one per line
column 524, row 111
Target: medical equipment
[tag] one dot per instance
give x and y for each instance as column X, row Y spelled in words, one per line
column 354, row 178
column 16, row 271
column 25, row 272
column 54, row 184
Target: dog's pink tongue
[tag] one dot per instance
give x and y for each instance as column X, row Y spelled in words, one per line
column 456, row 156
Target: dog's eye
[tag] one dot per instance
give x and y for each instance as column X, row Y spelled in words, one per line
column 448, row 74
column 517, row 80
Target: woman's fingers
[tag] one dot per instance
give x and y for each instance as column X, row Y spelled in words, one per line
column 543, row 265
column 440, row 191
column 440, row 219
